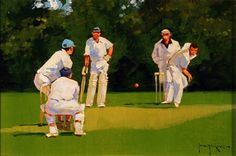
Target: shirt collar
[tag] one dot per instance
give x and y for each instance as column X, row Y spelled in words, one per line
column 192, row 57
column 63, row 50
column 99, row 40
column 187, row 55
column 166, row 45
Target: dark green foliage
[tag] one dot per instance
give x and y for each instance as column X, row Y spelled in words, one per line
column 29, row 37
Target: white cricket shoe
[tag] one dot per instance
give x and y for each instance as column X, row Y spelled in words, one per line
column 80, row 133
column 166, row 102
column 101, row 105
column 176, row 104
column 50, row 135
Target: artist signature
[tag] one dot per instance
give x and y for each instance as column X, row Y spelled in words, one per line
column 210, row 148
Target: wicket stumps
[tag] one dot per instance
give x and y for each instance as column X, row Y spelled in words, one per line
column 158, row 85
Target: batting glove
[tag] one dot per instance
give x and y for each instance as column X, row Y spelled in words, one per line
column 84, row 70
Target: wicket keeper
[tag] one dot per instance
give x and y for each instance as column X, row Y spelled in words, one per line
column 50, row 71
column 63, row 100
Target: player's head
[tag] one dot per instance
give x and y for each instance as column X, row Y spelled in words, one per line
column 66, row 72
column 68, row 46
column 193, row 50
column 166, row 34
column 96, row 32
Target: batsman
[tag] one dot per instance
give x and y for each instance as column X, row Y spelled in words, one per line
column 99, row 50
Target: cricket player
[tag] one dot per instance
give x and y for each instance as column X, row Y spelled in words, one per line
column 177, row 69
column 63, row 100
column 162, row 51
column 50, row 71
column 99, row 50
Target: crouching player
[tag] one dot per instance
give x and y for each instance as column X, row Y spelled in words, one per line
column 63, row 100
column 50, row 71
column 177, row 68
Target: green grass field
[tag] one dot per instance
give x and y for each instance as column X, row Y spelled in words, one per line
column 131, row 124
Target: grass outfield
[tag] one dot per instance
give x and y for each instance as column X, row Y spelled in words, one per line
column 132, row 124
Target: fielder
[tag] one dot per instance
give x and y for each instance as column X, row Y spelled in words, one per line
column 50, row 71
column 63, row 100
column 99, row 50
column 177, row 72
column 162, row 51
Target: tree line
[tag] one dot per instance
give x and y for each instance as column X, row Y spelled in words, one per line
column 29, row 37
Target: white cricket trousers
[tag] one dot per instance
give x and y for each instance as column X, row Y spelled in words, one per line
column 177, row 82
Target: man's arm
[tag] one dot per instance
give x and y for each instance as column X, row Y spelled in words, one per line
column 155, row 55
column 86, row 64
column 86, row 60
column 110, row 51
column 186, row 72
column 109, row 54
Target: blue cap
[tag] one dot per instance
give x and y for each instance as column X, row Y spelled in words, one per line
column 67, row 43
column 65, row 72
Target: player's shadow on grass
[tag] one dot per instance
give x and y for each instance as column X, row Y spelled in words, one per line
column 17, row 134
column 29, row 134
column 41, row 134
column 150, row 105
column 35, row 124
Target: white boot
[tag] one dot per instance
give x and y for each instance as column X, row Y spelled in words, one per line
column 53, row 132
column 166, row 102
column 176, row 104
column 80, row 133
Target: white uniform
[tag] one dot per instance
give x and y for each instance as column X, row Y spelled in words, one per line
column 63, row 101
column 97, row 51
column 63, row 97
column 99, row 67
column 161, row 54
column 50, row 71
column 177, row 79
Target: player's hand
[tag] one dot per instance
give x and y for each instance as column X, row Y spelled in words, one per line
column 189, row 77
column 107, row 58
column 84, row 70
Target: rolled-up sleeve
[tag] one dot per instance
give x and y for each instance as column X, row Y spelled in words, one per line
column 108, row 44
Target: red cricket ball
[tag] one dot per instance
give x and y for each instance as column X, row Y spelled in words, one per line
column 136, row 85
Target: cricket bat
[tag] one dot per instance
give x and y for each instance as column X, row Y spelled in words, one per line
column 83, row 83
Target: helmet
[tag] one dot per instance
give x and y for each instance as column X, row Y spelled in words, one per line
column 65, row 72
